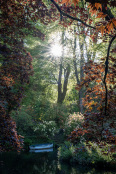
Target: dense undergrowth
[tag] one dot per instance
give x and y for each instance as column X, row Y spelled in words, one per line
column 77, row 145
column 90, row 153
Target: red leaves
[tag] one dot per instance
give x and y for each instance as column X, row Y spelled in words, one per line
column 14, row 75
column 16, row 64
column 9, row 139
column 94, row 101
column 76, row 135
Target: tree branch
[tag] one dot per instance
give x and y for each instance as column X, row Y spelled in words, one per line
column 55, row 79
column 106, row 62
column 69, row 16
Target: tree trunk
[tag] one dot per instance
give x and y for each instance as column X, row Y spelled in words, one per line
column 78, row 73
column 62, row 88
column 62, row 92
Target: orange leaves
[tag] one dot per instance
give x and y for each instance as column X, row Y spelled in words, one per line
column 94, row 7
column 69, row 2
column 101, row 15
column 75, row 135
column 109, row 27
column 75, row 2
column 103, row 28
column 98, row 5
column 98, row 80
column 114, row 21
column 8, row 80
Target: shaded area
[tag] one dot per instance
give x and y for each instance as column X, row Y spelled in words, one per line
column 31, row 163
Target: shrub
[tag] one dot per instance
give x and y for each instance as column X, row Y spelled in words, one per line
column 59, row 113
column 87, row 153
column 65, row 152
column 24, row 122
column 77, row 136
column 46, row 129
column 56, row 112
column 74, row 121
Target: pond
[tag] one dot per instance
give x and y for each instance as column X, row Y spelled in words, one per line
column 41, row 163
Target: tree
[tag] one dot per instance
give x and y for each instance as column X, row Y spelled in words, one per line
column 62, row 92
column 17, row 20
column 105, row 27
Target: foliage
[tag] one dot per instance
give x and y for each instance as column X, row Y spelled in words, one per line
column 87, row 154
column 15, row 67
column 95, row 8
column 73, row 121
column 78, row 135
column 27, row 142
column 99, row 123
column 92, row 154
column 60, row 112
column 65, row 152
column 9, row 139
column 46, row 129
column 17, row 21
column 51, row 112
column 24, row 121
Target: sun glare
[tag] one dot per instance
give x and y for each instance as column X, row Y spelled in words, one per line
column 56, row 50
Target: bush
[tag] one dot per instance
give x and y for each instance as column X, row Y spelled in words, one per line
column 74, row 121
column 24, row 122
column 27, row 142
column 87, row 153
column 46, row 129
column 65, row 152
column 57, row 112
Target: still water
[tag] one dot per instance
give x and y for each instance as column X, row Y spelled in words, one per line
column 41, row 163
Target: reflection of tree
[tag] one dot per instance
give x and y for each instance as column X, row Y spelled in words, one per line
column 65, row 168
column 29, row 163
column 40, row 163
column 46, row 166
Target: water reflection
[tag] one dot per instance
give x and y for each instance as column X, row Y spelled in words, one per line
column 41, row 163
column 42, row 150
